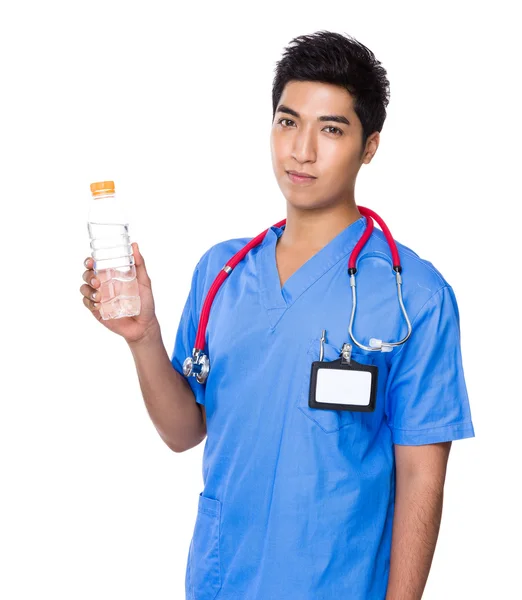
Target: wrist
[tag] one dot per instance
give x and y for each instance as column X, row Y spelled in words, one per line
column 151, row 337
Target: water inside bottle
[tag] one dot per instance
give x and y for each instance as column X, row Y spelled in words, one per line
column 114, row 268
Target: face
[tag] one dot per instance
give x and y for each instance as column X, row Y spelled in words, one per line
column 330, row 149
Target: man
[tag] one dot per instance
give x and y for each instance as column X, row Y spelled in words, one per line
column 299, row 502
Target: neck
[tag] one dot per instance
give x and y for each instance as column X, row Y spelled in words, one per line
column 313, row 229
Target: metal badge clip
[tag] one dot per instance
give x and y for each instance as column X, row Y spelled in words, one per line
column 346, row 353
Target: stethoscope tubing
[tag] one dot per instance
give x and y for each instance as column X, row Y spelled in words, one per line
column 238, row 257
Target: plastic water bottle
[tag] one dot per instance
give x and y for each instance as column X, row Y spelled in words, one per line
column 111, row 251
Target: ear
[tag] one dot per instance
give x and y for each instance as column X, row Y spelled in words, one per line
column 372, row 143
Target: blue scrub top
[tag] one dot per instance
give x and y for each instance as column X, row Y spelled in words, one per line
column 298, row 502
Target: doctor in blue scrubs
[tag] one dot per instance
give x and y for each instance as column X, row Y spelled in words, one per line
column 301, row 503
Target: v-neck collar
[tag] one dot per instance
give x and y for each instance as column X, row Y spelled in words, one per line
column 277, row 300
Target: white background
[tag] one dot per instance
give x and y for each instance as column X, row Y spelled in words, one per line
column 173, row 102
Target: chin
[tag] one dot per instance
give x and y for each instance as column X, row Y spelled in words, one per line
column 303, row 202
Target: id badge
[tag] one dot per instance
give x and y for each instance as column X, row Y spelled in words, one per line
column 343, row 384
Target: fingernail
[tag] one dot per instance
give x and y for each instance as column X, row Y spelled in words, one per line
column 93, row 281
column 94, row 295
column 86, row 262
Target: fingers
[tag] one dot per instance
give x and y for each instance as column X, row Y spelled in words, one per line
column 91, row 296
column 91, row 305
column 139, row 261
column 90, row 292
column 89, row 275
column 90, row 278
column 138, row 258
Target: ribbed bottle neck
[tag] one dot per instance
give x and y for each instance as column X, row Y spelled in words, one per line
column 100, row 196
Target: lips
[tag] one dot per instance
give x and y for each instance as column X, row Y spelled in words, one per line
column 301, row 174
column 300, row 179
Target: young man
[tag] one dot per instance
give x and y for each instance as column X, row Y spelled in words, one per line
column 307, row 503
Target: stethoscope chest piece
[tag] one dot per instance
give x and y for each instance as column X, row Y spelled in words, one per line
column 197, row 366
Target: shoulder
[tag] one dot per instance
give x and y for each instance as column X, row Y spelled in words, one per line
column 421, row 280
column 215, row 258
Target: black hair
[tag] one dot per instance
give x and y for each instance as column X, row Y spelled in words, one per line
column 338, row 59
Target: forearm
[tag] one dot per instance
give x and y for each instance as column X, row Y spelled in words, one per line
column 167, row 394
column 416, row 523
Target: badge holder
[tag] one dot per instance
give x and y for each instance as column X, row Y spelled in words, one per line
column 342, row 384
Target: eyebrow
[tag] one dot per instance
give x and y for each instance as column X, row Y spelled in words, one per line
column 336, row 118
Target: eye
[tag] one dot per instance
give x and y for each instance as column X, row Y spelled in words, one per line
column 336, row 128
column 284, row 126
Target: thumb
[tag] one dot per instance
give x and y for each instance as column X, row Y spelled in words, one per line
column 139, row 261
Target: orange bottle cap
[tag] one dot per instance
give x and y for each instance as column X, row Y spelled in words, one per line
column 102, row 187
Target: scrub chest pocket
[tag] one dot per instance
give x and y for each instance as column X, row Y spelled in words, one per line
column 329, row 420
column 204, row 568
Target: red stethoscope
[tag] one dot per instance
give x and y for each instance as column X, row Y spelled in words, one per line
column 198, row 365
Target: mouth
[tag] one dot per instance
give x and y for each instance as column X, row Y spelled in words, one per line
column 295, row 178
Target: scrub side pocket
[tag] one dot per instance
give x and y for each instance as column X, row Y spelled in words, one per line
column 204, row 569
column 329, row 420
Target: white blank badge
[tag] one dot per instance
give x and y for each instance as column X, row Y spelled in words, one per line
column 336, row 385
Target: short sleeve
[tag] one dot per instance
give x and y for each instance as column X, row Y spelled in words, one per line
column 186, row 338
column 426, row 398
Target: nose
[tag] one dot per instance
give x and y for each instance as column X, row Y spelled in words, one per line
column 304, row 149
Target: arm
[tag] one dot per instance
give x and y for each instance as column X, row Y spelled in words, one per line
column 168, row 396
column 420, row 476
